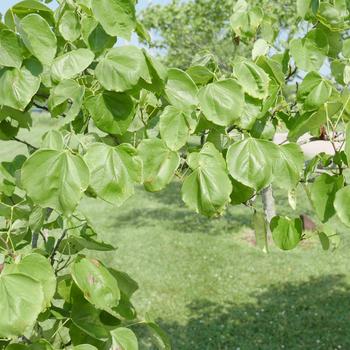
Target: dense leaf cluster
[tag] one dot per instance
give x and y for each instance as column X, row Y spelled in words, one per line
column 123, row 119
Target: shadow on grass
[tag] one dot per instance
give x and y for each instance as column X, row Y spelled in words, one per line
column 310, row 315
column 171, row 212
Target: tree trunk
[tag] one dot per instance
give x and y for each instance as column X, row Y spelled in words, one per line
column 268, row 202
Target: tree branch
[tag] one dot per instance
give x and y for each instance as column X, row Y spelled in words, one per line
column 40, row 107
column 25, row 143
column 57, row 245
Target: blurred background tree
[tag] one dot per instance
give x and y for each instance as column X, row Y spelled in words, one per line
column 183, row 29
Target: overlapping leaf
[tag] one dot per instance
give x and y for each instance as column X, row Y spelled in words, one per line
column 38, row 37
column 222, row 102
column 286, row 232
column 288, row 166
column 176, row 126
column 117, row 17
column 181, row 90
column 159, row 164
column 114, row 171
column 66, row 92
column 98, row 285
column 252, row 78
column 250, row 162
column 70, row 64
column 322, row 194
column 38, row 268
column 17, row 87
column 111, row 111
column 55, row 179
column 22, row 300
column 207, row 190
column 310, row 52
column 69, row 26
column 121, row 68
column 10, row 49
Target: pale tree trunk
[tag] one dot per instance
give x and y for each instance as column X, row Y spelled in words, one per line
column 268, row 202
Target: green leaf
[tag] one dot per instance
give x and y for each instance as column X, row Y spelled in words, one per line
column 222, row 102
column 114, row 171
column 95, row 36
column 10, row 49
column 260, row 229
column 207, row 190
column 36, row 219
column 176, row 126
column 124, row 339
column 121, row 68
column 158, row 73
column 322, row 194
column 310, row 52
column 252, row 78
column 250, row 162
column 117, row 17
column 99, row 286
column 16, row 347
column 66, row 91
column 38, row 37
column 126, row 284
column 260, row 48
column 181, row 90
column 324, row 240
column 314, row 91
column 111, row 111
column 160, row 336
column 318, row 96
column 69, row 26
column 245, row 20
column 288, row 168
column 273, row 68
column 38, row 268
column 84, row 347
column 286, row 232
column 22, row 299
column 346, row 48
column 17, row 87
column 26, row 7
column 55, row 179
column 333, row 15
column 307, row 122
column 75, row 244
column 341, row 205
column 347, row 141
column 346, row 75
column 53, row 139
column 251, row 112
column 87, row 318
column 78, row 336
column 337, row 69
column 201, row 75
column 71, row 64
column 159, row 164
column 240, row 193
column 303, row 7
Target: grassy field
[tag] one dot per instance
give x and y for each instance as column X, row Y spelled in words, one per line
column 209, row 286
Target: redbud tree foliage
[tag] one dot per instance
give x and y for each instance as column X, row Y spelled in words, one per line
column 123, row 119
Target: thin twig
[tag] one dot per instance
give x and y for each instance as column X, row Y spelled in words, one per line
column 40, row 107
column 25, row 143
column 57, row 245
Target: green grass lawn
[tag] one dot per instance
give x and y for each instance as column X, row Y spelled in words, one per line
column 207, row 284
